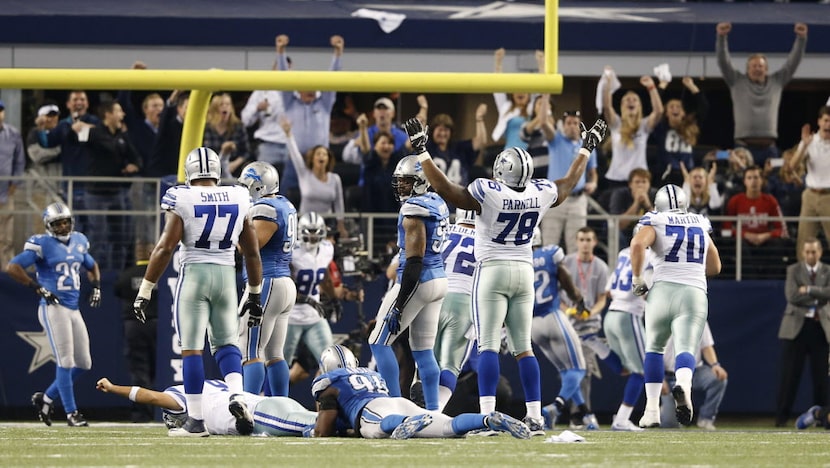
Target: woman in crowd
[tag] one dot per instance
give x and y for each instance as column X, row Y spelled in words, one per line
column 225, row 134
column 676, row 135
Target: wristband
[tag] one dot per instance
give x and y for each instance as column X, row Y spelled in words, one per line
column 650, row 87
column 636, row 279
column 146, row 289
column 255, row 289
column 716, row 364
column 585, row 152
column 133, row 392
column 96, row 283
column 424, row 156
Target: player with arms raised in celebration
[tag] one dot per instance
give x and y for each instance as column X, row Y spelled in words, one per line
column 677, row 304
column 508, row 208
column 209, row 220
column 421, row 285
column 275, row 221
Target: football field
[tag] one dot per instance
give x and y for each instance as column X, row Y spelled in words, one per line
column 123, row 444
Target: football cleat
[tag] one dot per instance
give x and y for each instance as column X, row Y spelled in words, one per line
column 550, row 413
column 76, row 419
column 683, row 400
column 706, row 424
column 501, row 422
column 191, row 428
column 482, row 433
column 44, row 410
column 239, row 410
column 590, row 422
column 536, row 426
column 651, row 418
column 411, row 426
column 626, row 425
column 808, row 418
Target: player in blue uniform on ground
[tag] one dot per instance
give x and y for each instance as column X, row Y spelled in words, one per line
column 357, row 398
column 58, row 257
column 415, row 299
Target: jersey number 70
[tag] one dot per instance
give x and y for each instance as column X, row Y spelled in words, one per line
column 695, row 243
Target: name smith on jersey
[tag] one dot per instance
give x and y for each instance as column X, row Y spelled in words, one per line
column 525, row 204
column 215, row 197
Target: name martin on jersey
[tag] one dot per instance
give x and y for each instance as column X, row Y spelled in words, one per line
column 215, row 197
column 525, row 204
column 682, row 219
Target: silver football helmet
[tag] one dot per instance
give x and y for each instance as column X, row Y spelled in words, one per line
column 671, row 198
column 202, row 163
column 513, row 167
column 465, row 216
column 312, row 229
column 261, row 179
column 337, row 357
column 536, row 241
column 58, row 212
column 409, row 180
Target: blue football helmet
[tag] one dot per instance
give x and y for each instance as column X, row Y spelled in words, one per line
column 58, row 212
column 337, row 357
column 261, row 179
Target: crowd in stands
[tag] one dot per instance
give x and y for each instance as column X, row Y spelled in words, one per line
column 334, row 157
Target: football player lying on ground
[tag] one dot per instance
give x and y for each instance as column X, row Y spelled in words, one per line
column 273, row 416
column 358, row 398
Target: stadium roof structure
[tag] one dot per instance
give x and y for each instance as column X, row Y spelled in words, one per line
column 427, row 24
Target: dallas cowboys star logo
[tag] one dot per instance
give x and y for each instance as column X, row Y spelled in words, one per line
column 43, row 350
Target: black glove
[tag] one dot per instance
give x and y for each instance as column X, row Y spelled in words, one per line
column 50, row 297
column 593, row 137
column 640, row 286
column 253, row 308
column 303, row 299
column 418, row 135
column 332, row 310
column 394, row 321
column 95, row 295
column 139, row 306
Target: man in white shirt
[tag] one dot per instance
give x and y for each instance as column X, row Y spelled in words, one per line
column 815, row 200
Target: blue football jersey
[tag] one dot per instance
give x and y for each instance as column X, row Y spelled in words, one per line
column 276, row 253
column 432, row 209
column 545, row 268
column 58, row 265
column 355, row 387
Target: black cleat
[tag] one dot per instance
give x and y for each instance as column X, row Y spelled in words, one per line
column 76, row 419
column 684, row 405
column 244, row 419
column 44, row 410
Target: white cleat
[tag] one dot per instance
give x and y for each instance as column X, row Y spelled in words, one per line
column 191, row 428
column 651, row 418
column 626, row 425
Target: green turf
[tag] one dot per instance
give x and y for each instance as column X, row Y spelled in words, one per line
column 30, row 444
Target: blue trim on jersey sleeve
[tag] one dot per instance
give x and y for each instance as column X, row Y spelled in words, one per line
column 476, row 190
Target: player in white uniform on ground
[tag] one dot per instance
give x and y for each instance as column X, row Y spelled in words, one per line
column 451, row 343
column 677, row 304
column 275, row 220
column 309, row 265
column 209, row 220
column 274, row 416
column 508, row 208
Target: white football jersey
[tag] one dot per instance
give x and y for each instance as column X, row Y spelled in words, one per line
column 680, row 247
column 619, row 284
column 459, row 258
column 213, row 217
column 215, row 399
column 505, row 226
column 309, row 269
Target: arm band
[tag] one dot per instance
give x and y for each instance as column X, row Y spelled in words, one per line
column 146, row 289
column 328, row 402
column 585, row 152
column 133, row 392
column 424, row 156
column 409, row 280
column 255, row 289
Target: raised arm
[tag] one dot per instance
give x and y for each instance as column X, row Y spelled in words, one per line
column 480, row 138
column 140, row 395
column 722, row 50
column 452, row 193
column 593, row 138
column 656, row 102
column 607, row 105
column 796, row 54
